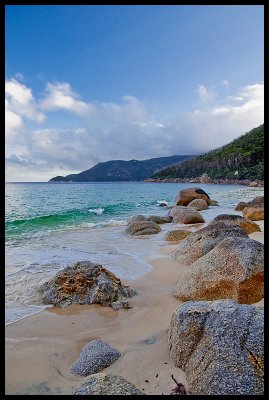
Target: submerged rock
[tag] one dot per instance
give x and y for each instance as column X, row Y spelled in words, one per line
column 234, row 269
column 142, row 227
column 185, row 196
column 106, row 384
column 85, row 283
column 248, row 225
column 202, row 241
column 220, row 346
column 186, row 215
column 95, row 356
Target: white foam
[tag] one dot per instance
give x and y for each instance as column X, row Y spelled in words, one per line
column 98, row 211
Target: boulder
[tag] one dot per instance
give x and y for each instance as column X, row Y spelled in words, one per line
column 185, row 196
column 213, row 202
column 153, row 218
column 176, row 235
column 160, row 219
column 198, row 204
column 142, row 228
column 254, row 213
column 257, row 201
column 86, row 283
column 240, row 206
column 186, row 215
column 203, row 240
column 220, row 346
column 234, row 269
column 106, row 384
column 95, row 356
column 248, row 225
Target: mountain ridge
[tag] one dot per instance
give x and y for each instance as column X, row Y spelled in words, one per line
column 121, row 170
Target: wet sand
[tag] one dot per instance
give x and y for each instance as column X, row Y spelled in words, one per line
column 40, row 349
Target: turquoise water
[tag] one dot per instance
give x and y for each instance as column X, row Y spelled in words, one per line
column 49, row 226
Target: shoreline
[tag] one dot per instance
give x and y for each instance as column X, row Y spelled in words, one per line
column 41, row 348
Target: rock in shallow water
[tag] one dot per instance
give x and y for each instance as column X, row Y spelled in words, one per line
column 185, row 196
column 220, row 346
column 106, row 384
column 142, row 228
column 186, row 215
column 86, row 283
column 95, row 356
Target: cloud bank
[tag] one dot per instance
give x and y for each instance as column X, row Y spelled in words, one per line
column 107, row 131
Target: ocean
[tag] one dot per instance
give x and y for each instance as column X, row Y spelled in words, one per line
column 51, row 225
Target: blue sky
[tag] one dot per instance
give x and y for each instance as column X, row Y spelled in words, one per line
column 121, row 82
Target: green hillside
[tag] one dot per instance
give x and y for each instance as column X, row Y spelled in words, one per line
column 243, row 158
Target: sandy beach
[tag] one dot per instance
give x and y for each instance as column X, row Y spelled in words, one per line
column 40, row 349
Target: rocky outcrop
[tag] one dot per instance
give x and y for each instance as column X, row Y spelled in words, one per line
column 185, row 196
column 186, row 215
column 176, row 235
column 254, row 213
column 220, row 346
column 234, row 269
column 248, row 225
column 202, row 241
column 95, row 356
column 142, row 228
column 106, row 384
column 86, row 283
column 198, row 204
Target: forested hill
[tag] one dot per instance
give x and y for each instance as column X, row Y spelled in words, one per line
column 120, row 170
column 243, row 158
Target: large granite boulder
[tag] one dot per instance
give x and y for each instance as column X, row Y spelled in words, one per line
column 176, row 235
column 234, row 269
column 203, row 240
column 220, row 346
column 254, row 213
column 95, row 356
column 106, row 384
column 86, row 283
column 185, row 196
column 248, row 225
column 142, row 228
column 186, row 215
column 198, row 204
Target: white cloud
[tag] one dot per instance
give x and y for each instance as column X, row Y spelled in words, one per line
column 225, row 82
column 20, row 101
column 205, row 95
column 125, row 130
column 59, row 95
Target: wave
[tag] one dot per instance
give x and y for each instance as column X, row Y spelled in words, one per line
column 98, row 211
column 90, row 217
